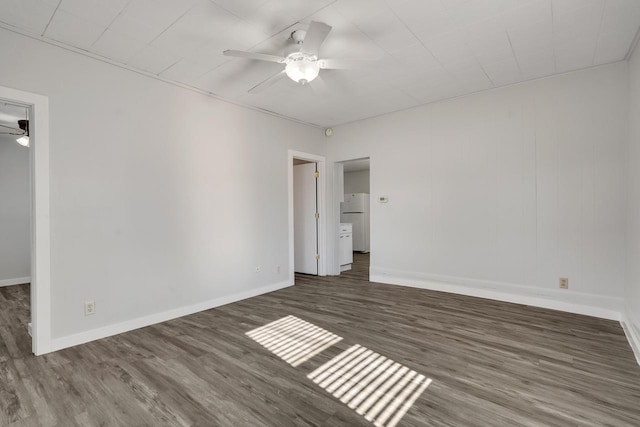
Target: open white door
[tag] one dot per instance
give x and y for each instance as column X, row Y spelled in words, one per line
column 305, row 218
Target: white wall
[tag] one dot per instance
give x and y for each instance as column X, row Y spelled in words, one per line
column 15, row 240
column 632, row 285
column 500, row 193
column 161, row 198
column 356, row 182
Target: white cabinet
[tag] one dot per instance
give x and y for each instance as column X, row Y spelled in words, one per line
column 360, row 223
column 346, row 247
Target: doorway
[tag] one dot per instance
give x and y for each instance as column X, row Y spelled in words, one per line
column 307, row 240
column 305, row 216
column 39, row 292
column 355, row 215
column 15, row 224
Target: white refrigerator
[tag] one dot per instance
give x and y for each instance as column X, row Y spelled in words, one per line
column 355, row 210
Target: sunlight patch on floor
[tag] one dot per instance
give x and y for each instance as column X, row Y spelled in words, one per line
column 293, row 339
column 374, row 386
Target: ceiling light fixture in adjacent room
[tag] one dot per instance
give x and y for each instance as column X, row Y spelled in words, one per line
column 22, row 131
column 24, row 139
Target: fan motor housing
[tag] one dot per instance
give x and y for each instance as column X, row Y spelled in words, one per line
column 24, row 125
column 298, row 36
column 296, row 40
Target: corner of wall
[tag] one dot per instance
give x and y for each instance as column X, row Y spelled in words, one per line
column 15, row 281
column 631, row 328
column 629, row 321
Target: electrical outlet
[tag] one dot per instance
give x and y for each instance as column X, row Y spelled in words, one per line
column 258, row 269
column 564, row 283
column 89, row 308
column 277, row 269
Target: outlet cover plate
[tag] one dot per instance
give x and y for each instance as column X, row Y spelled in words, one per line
column 564, row 283
column 89, row 308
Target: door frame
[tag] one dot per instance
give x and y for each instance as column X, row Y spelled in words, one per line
column 322, row 181
column 337, row 200
column 40, row 214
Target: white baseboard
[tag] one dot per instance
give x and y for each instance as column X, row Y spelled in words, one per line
column 141, row 322
column 631, row 327
column 573, row 302
column 16, row 281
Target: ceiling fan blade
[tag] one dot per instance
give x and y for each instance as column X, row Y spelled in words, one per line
column 316, row 34
column 253, row 55
column 268, row 82
column 320, row 86
column 345, row 64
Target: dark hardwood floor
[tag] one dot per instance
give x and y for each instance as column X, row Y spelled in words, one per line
column 489, row 363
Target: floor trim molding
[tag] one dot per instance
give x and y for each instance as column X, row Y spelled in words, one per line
column 573, row 302
column 631, row 328
column 141, row 322
column 16, row 281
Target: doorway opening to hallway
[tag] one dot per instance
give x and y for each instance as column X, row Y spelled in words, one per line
column 355, row 217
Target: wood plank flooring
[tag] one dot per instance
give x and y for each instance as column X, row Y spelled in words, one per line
column 490, row 363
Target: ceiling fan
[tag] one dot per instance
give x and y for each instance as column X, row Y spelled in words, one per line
column 22, row 132
column 302, row 64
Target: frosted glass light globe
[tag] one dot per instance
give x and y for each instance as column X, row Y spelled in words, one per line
column 302, row 70
column 23, row 140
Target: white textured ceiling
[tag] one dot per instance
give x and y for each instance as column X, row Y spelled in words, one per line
column 426, row 50
column 9, row 116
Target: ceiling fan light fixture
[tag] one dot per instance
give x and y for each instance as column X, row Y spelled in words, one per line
column 23, row 140
column 303, row 70
column 24, row 126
